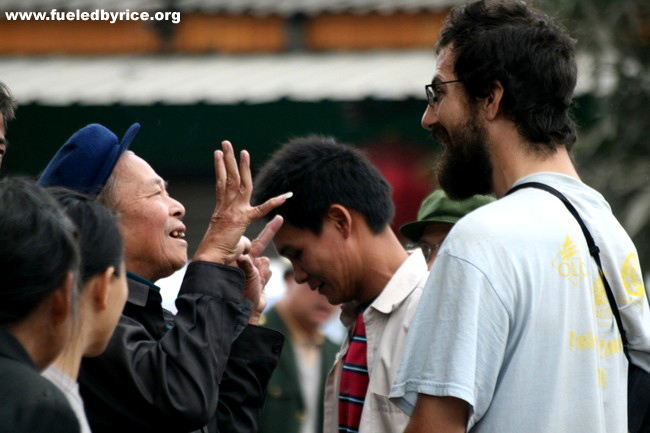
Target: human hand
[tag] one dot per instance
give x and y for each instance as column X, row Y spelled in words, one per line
column 258, row 273
column 233, row 212
column 258, row 269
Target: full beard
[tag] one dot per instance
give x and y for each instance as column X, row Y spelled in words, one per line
column 464, row 168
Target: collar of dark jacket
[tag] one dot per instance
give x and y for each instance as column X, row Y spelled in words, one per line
column 11, row 348
column 139, row 289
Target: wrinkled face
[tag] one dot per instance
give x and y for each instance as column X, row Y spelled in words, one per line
column 432, row 238
column 464, row 168
column 309, row 307
column 321, row 261
column 3, row 141
column 150, row 220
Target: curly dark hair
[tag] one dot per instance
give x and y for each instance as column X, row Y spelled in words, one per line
column 7, row 104
column 532, row 57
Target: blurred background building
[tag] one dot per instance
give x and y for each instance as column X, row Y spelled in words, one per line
column 258, row 72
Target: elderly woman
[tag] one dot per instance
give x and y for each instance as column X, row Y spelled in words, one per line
column 39, row 261
column 102, row 293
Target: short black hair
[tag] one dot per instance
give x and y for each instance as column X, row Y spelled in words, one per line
column 7, row 104
column 321, row 172
column 532, row 57
column 38, row 248
column 100, row 241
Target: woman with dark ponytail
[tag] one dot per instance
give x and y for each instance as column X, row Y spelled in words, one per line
column 39, row 264
column 102, row 292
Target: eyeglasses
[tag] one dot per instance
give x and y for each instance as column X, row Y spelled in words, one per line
column 432, row 98
column 428, row 250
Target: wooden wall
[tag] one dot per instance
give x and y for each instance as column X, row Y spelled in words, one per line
column 203, row 33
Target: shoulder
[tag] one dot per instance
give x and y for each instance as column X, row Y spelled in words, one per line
column 273, row 320
column 329, row 345
column 329, row 349
column 31, row 402
column 500, row 226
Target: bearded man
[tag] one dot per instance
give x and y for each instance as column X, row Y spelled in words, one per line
column 514, row 332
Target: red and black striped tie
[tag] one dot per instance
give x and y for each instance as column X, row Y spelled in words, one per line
column 354, row 380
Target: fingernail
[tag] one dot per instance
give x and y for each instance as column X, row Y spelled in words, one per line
column 287, row 195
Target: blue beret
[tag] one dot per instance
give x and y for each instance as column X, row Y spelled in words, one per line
column 85, row 162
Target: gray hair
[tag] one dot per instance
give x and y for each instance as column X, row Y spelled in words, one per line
column 107, row 194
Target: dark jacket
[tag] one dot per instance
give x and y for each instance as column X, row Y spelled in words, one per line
column 284, row 409
column 29, row 403
column 165, row 373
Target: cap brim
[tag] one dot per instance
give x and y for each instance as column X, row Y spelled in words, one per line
column 129, row 135
column 413, row 230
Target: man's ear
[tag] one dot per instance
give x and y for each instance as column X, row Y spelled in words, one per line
column 62, row 299
column 493, row 101
column 100, row 286
column 341, row 218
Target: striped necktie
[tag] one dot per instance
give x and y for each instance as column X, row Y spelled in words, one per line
column 354, row 380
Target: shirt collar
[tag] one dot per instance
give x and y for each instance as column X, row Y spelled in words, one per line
column 139, row 289
column 409, row 275
column 144, row 281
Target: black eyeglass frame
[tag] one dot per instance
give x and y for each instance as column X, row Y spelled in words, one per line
column 431, row 91
column 427, row 248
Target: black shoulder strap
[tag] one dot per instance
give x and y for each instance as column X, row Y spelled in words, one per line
column 593, row 250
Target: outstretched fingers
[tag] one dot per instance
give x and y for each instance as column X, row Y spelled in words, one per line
column 233, row 213
column 265, row 237
column 232, row 172
column 245, row 174
column 263, row 265
column 220, row 172
column 271, row 204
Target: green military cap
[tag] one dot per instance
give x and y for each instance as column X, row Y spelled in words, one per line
column 438, row 208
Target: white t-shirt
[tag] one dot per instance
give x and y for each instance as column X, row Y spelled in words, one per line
column 515, row 321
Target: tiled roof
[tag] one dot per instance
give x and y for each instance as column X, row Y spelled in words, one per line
column 218, row 78
column 222, row 79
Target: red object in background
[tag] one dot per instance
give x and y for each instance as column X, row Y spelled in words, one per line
column 409, row 170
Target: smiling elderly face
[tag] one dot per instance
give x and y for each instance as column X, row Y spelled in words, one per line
column 150, row 220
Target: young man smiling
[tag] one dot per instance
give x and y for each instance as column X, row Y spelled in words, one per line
column 338, row 239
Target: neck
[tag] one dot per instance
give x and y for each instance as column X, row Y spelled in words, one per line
column 382, row 256
column 135, row 267
column 300, row 331
column 37, row 344
column 69, row 361
column 512, row 159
